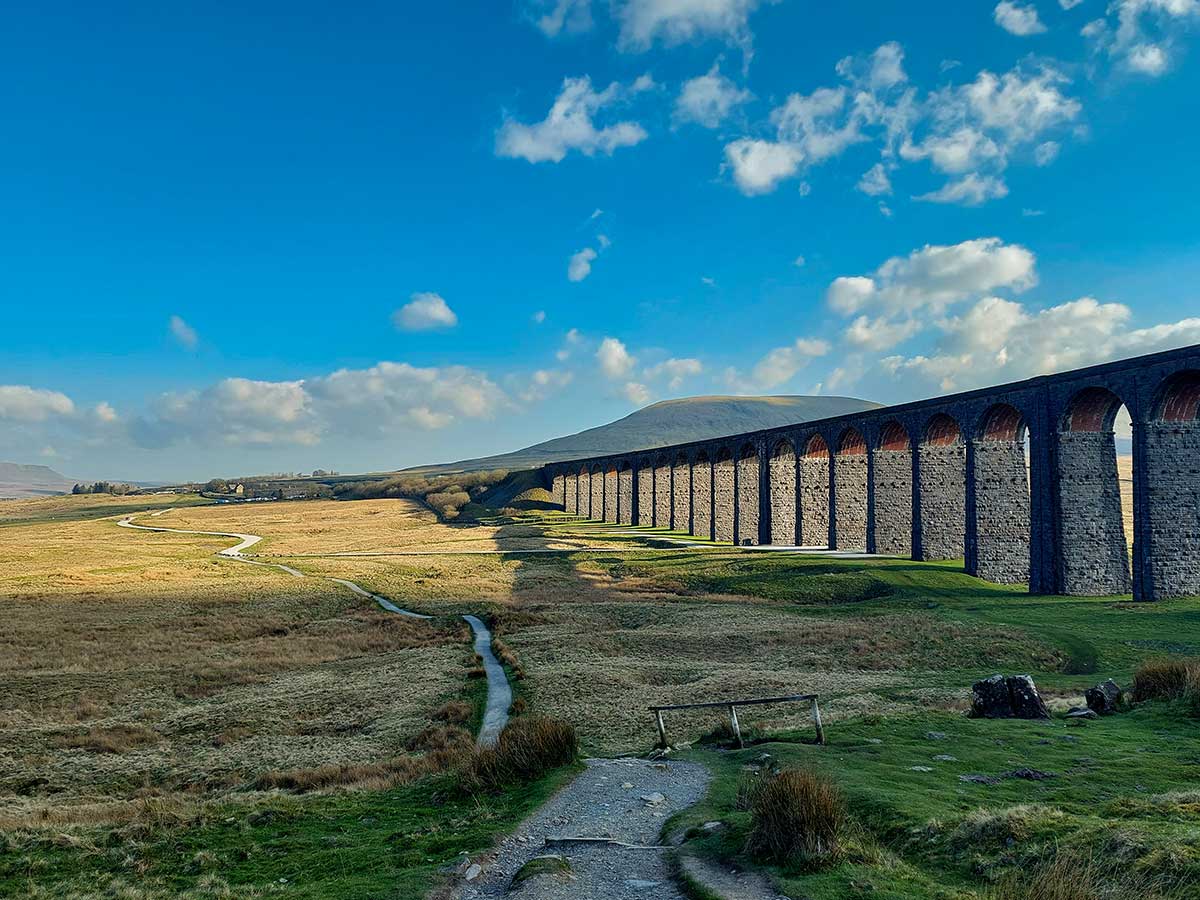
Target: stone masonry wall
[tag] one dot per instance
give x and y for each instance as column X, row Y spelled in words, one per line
column 610, row 496
column 662, row 497
column 1173, row 466
column 682, row 506
column 1095, row 557
column 748, row 501
column 893, row 502
column 625, row 496
column 702, row 500
column 782, row 472
column 596, row 509
column 814, row 501
column 645, row 496
column 850, row 502
column 943, row 501
column 558, row 490
column 723, row 501
column 1002, row 512
column 572, row 504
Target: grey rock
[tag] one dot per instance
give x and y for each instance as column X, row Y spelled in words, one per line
column 1026, row 701
column 1081, row 712
column 978, row 779
column 933, row 736
column 1104, row 698
column 990, row 699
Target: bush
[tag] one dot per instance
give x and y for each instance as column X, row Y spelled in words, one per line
column 529, row 746
column 798, row 818
column 1169, row 679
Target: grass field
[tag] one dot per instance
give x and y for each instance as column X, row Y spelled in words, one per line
column 204, row 674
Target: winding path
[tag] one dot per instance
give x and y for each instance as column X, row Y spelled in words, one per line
column 499, row 692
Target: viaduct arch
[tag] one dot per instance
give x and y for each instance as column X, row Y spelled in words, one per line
column 1020, row 481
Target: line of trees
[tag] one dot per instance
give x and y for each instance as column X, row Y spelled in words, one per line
column 105, row 487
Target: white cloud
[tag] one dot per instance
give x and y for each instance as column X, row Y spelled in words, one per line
column 816, row 124
column 184, row 333
column 970, row 190
column 544, row 382
column 1145, row 32
column 880, row 333
column 637, row 394
column 708, row 280
column 615, row 360
column 674, row 370
column 850, row 293
column 758, row 166
column 1017, row 19
column 1030, row 213
column 677, row 21
column 709, row 99
column 539, row 317
column 955, row 152
column 22, row 403
column 105, row 413
column 875, row 181
column 424, row 312
column 798, row 262
column 579, row 266
column 569, row 126
column 1069, row 4
column 779, row 365
column 1046, row 153
column 1149, row 59
column 553, row 17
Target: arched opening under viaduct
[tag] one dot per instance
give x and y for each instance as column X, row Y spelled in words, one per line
column 596, row 503
column 1094, row 546
column 645, row 492
column 1002, row 523
column 893, row 491
column 1172, row 486
column 625, row 494
column 723, row 496
column 662, row 492
column 943, row 489
column 610, row 493
column 814, row 493
column 781, row 472
column 747, row 490
column 850, row 492
column 702, row 474
column 681, row 506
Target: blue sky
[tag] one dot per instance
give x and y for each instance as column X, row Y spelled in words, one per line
column 276, row 237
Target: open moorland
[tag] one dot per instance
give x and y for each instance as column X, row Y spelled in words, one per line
column 175, row 723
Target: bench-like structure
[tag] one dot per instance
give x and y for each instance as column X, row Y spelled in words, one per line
column 732, row 706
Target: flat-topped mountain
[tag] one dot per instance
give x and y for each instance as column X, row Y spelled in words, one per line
column 670, row 422
column 19, row 481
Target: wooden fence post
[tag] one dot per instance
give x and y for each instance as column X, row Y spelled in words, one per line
column 737, row 729
column 816, row 714
column 662, row 729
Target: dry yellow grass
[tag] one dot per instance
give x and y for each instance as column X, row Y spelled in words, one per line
column 136, row 665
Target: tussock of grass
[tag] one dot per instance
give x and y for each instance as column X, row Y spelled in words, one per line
column 1169, row 679
column 798, row 819
column 363, row 776
column 456, row 712
column 1069, row 876
column 529, row 746
column 112, row 739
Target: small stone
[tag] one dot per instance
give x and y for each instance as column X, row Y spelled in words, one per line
column 473, row 872
column 933, row 736
column 920, row 768
column 946, row 757
column 713, row 826
column 1082, row 712
column 1029, row 774
column 874, row 741
column 978, row 779
column 653, row 799
column 628, row 785
column 641, row 884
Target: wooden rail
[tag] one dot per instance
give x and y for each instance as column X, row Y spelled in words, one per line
column 732, row 706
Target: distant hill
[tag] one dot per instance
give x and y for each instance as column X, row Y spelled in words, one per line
column 669, row 422
column 20, row 481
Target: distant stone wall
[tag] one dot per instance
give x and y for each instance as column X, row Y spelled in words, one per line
column 1173, row 470
column 662, row 497
column 596, row 508
column 723, row 500
column 610, row 496
column 558, row 490
column 814, row 501
column 625, row 496
column 1095, row 557
column 782, row 476
column 943, row 501
column 645, row 487
column 572, row 504
column 850, row 502
column 1001, row 512
column 893, row 502
column 681, row 507
column 747, row 523
column 702, row 500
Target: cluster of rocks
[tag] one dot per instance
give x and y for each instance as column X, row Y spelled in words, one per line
column 1017, row 697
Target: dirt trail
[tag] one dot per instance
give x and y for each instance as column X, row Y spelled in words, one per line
column 499, row 692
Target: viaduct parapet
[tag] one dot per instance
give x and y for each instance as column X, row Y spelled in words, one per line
column 1019, row 480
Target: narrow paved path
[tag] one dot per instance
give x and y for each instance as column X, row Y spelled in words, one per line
column 623, row 802
column 499, row 692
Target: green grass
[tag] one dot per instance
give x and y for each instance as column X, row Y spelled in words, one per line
column 356, row 845
column 931, row 835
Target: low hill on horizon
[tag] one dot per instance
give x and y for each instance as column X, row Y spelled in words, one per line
column 665, row 423
column 19, row 481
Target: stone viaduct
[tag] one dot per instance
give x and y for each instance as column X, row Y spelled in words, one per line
column 1019, row 480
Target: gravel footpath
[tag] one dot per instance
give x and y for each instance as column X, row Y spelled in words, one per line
column 605, row 801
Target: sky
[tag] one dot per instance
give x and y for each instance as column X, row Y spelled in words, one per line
column 266, row 237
